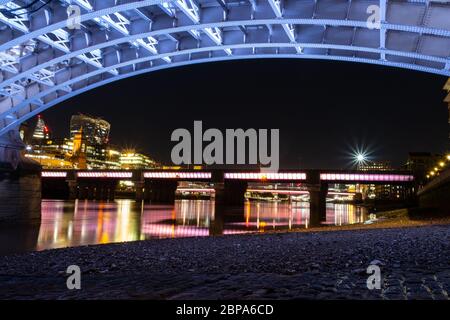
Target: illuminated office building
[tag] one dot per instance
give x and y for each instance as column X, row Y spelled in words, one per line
column 133, row 160
column 41, row 132
column 375, row 166
column 87, row 148
column 380, row 191
column 96, row 136
column 113, row 159
column 95, row 130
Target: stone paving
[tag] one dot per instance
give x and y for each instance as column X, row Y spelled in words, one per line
column 414, row 264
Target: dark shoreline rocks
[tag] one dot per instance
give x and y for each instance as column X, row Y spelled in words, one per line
column 414, row 264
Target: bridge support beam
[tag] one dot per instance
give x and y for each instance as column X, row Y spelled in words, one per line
column 140, row 190
column 20, row 182
column 11, row 147
column 73, row 189
column 217, row 223
column 317, row 204
column 72, row 186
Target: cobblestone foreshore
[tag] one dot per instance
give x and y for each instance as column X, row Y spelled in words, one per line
column 414, row 262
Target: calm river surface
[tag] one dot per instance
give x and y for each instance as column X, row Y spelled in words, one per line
column 77, row 223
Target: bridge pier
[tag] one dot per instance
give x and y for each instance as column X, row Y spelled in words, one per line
column 317, row 204
column 20, row 182
column 140, row 190
column 147, row 192
column 72, row 186
column 217, row 223
column 101, row 192
column 83, row 191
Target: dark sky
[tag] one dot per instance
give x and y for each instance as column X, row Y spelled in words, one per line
column 322, row 108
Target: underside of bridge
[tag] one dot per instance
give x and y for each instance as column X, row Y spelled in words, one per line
column 51, row 51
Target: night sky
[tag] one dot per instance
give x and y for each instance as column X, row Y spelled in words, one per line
column 322, row 108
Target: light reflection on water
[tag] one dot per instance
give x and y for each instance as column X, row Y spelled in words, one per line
column 66, row 224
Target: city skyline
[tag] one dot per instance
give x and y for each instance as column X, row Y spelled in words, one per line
column 33, row 127
column 362, row 160
column 86, row 147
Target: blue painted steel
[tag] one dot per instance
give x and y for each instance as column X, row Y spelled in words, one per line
column 43, row 61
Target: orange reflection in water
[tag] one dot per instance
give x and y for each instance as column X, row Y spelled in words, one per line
column 87, row 222
column 66, row 223
column 262, row 216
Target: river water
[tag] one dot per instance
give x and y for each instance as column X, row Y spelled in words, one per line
column 77, row 223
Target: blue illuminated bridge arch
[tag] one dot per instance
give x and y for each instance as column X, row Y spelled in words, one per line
column 44, row 60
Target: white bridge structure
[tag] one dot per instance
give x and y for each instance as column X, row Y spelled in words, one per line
column 52, row 50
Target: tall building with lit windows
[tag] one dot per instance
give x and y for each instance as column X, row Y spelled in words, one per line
column 41, row 132
column 96, row 136
column 95, row 130
column 87, row 148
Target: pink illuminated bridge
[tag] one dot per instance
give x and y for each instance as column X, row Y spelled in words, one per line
column 247, row 176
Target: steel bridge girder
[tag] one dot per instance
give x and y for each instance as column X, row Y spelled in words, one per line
column 119, row 39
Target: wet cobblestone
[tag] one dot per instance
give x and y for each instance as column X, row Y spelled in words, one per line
column 414, row 263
